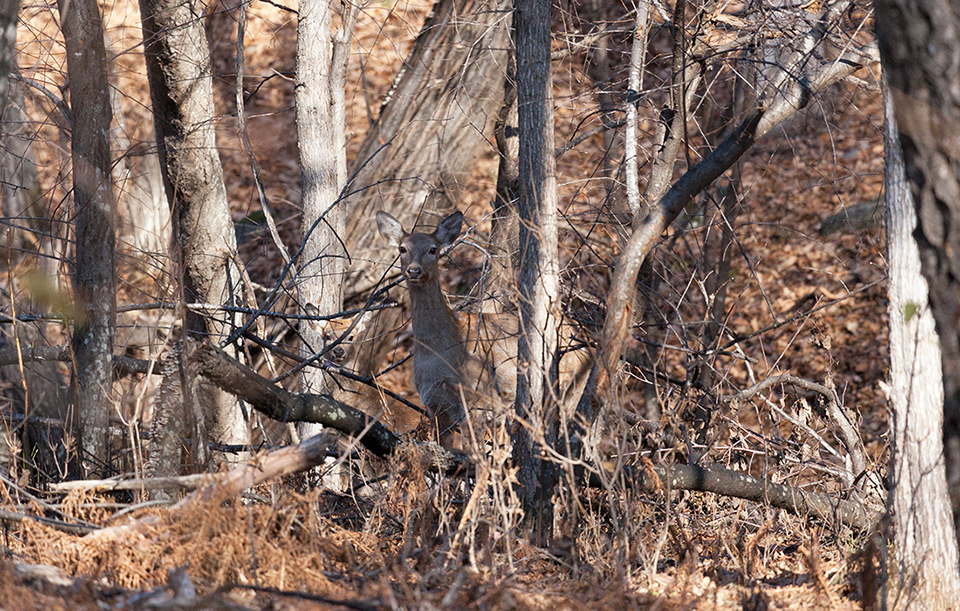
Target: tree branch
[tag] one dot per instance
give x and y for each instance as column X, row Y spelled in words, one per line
column 727, row 482
column 284, row 406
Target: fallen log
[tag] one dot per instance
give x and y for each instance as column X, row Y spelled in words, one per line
column 285, row 461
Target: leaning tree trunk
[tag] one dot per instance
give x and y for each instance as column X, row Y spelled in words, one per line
column 538, row 281
column 94, row 284
column 926, row 572
column 918, row 45
column 179, row 74
column 432, row 126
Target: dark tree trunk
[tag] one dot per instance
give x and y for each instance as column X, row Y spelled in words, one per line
column 538, row 283
column 919, row 48
column 179, row 74
column 94, row 284
column 8, row 46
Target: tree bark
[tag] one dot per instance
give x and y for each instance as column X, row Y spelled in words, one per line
column 8, row 46
column 431, row 129
column 538, row 279
column 321, row 66
column 20, row 190
column 94, row 277
column 321, row 77
column 179, row 74
column 919, row 47
column 927, row 573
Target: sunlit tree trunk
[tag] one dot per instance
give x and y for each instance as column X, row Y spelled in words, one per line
column 918, row 47
column 178, row 71
column 926, row 572
column 321, row 77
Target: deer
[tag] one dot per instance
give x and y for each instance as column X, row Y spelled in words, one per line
column 473, row 358
column 344, row 343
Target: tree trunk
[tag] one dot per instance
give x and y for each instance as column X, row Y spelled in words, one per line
column 20, row 190
column 178, row 71
column 321, row 124
column 918, row 46
column 418, row 157
column 431, row 128
column 538, row 278
column 8, row 46
column 94, row 284
column 926, row 572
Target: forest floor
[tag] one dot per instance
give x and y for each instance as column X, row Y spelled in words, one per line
column 288, row 547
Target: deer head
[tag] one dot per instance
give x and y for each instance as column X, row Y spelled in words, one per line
column 339, row 336
column 419, row 252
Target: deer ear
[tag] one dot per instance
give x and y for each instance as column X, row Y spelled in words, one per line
column 449, row 228
column 365, row 319
column 390, row 228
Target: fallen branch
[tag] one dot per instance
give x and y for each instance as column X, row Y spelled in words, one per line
column 285, row 461
column 39, row 354
column 727, row 482
column 234, row 377
column 184, row 482
column 73, row 529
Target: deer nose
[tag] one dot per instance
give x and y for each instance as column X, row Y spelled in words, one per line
column 337, row 352
column 414, row 271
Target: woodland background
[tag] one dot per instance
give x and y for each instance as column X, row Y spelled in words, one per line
column 775, row 269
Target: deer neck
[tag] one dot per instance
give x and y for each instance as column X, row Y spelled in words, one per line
column 435, row 328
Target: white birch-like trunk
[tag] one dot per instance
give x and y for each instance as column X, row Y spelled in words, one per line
column 321, row 73
column 925, row 574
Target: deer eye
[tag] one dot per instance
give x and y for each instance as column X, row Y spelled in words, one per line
column 433, row 250
column 350, row 339
column 403, row 250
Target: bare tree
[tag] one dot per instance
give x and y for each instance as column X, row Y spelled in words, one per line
column 917, row 40
column 927, row 573
column 790, row 89
column 321, row 77
column 538, row 279
column 94, row 275
column 179, row 74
